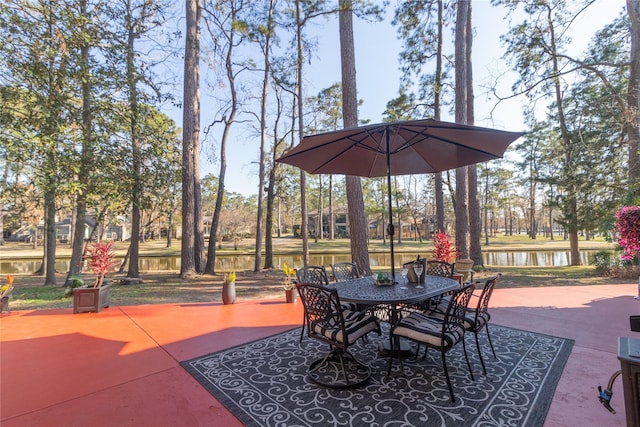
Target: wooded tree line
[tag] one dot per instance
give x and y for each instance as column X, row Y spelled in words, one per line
column 84, row 84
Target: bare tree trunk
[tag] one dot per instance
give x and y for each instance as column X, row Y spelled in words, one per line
column 304, row 226
column 357, row 221
column 198, row 222
column 551, row 236
column 268, row 229
column 190, row 133
column 486, row 211
column 572, row 203
column 332, row 219
column 215, row 220
column 383, row 203
column 532, row 209
column 633, row 98
column 319, row 223
column 263, row 140
column 3, row 186
column 475, row 221
column 398, row 216
column 50, row 235
column 436, row 113
column 271, row 191
column 134, row 246
column 80, row 208
column 169, row 228
column 228, row 122
column 461, row 196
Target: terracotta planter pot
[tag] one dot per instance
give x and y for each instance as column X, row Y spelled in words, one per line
column 291, row 295
column 228, row 292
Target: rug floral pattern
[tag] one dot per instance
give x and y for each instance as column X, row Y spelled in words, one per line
column 265, row 383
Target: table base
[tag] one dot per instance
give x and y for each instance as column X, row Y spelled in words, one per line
column 384, row 349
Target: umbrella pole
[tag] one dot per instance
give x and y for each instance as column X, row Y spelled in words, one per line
column 390, row 227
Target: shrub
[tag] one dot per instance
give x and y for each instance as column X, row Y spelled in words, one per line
column 443, row 248
column 628, row 228
column 100, row 259
column 604, row 262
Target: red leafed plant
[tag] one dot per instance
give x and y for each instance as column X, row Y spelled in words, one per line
column 628, row 227
column 443, row 248
column 100, row 258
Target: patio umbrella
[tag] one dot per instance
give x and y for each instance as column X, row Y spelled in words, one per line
column 398, row 148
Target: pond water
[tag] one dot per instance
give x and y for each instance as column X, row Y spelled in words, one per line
column 245, row 262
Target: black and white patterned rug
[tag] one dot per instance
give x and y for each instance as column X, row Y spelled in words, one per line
column 265, row 383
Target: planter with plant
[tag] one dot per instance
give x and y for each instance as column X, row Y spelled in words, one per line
column 5, row 293
column 289, row 284
column 92, row 298
column 229, row 288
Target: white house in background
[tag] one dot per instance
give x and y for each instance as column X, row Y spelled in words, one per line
column 64, row 231
column 113, row 231
column 118, row 229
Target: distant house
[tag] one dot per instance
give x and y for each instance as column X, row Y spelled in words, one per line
column 407, row 228
column 120, row 230
column 22, row 234
column 64, row 231
column 340, row 221
column 113, row 231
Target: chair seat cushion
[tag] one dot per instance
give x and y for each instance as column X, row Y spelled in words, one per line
column 428, row 330
column 357, row 324
column 350, row 306
column 441, row 307
column 469, row 317
column 472, row 324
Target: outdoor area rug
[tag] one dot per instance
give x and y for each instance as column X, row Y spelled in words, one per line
column 265, row 383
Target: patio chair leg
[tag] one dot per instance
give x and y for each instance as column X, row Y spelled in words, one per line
column 390, row 356
column 490, row 343
column 484, row 370
column 446, row 374
column 398, row 350
column 344, row 368
column 304, row 323
column 417, row 351
column 466, row 357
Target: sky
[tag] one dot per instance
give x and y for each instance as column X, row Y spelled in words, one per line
column 377, row 48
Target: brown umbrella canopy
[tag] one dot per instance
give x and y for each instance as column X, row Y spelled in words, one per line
column 398, row 148
column 414, row 147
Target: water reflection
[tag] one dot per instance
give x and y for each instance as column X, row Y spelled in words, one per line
column 533, row 259
column 246, row 262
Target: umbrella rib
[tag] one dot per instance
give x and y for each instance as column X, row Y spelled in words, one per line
column 356, row 142
column 416, row 134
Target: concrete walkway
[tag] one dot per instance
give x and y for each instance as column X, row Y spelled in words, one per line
column 121, row 367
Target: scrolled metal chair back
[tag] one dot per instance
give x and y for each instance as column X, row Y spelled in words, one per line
column 454, row 317
column 322, row 309
column 440, row 268
column 485, row 296
column 343, row 271
column 312, row 274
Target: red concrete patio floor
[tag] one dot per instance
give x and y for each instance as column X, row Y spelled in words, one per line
column 121, row 367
